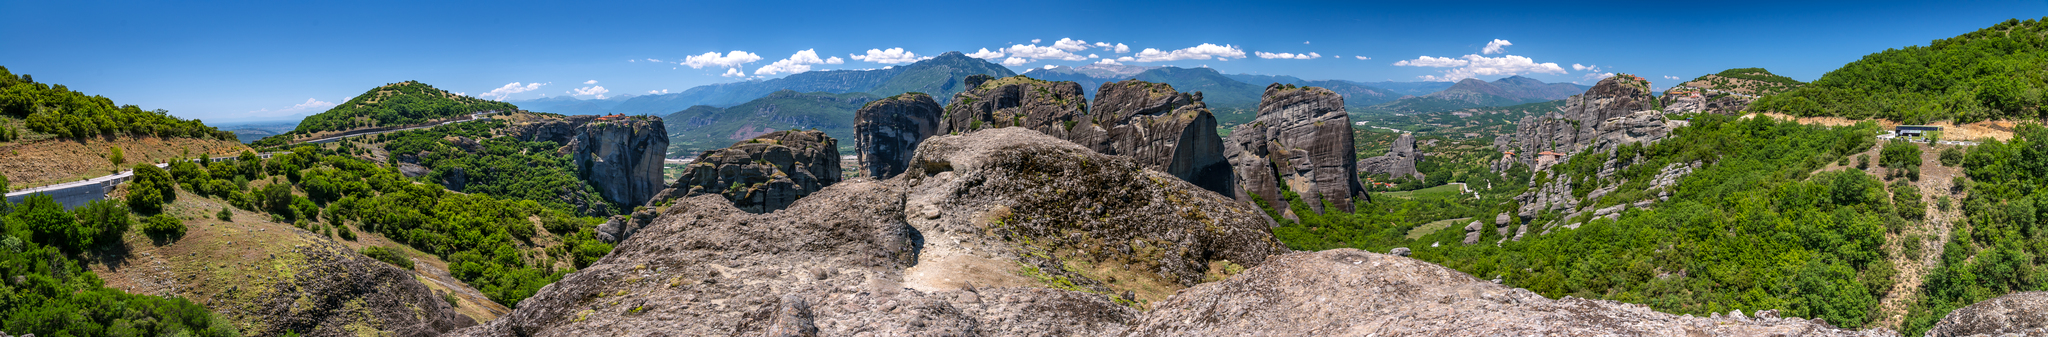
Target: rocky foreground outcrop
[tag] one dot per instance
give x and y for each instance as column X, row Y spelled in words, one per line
column 2016, row 314
column 1151, row 123
column 1347, row 292
column 996, row 232
column 763, row 174
column 334, row 291
column 1300, row 141
column 887, row 132
column 1399, row 161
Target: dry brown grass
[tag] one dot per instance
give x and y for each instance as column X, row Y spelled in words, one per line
column 2001, row 130
column 50, row 161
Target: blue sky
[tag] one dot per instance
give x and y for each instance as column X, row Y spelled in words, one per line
column 227, row 61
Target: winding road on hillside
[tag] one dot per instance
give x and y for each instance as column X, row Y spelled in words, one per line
column 472, row 117
column 78, row 193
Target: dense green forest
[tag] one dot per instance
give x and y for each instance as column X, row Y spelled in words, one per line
column 1999, row 72
column 403, row 103
column 1755, row 228
column 485, row 239
column 59, row 111
column 504, row 167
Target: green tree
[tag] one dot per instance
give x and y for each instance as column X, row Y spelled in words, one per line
column 164, row 227
column 102, row 222
column 47, row 221
column 114, row 155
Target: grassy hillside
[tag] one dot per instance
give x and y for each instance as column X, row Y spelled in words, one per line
column 703, row 128
column 1999, row 72
column 390, row 105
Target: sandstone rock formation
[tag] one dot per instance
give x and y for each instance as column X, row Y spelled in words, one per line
column 887, row 132
column 763, row 174
column 622, row 156
column 336, row 291
column 1347, row 292
column 2016, row 314
column 1616, row 111
column 1151, row 123
column 1399, row 161
column 996, row 232
column 1300, row 141
column 1696, row 102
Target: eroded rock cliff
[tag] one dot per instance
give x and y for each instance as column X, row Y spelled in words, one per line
column 2016, row 314
column 1300, row 141
column 763, row 174
column 1151, row 123
column 1618, row 110
column 887, row 132
column 996, row 232
column 1399, row 161
column 622, row 156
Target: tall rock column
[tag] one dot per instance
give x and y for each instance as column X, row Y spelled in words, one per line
column 622, row 156
column 1160, row 128
column 1301, row 140
column 887, row 132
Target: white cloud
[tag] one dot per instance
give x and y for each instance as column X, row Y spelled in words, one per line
column 835, row 60
column 889, row 56
column 1580, row 67
column 632, row 60
column 730, row 60
column 1013, row 61
column 1362, row 57
column 1069, row 44
column 1669, row 77
column 797, row 63
column 1049, row 67
column 1034, row 40
column 985, row 54
column 590, row 82
column 595, row 90
column 1035, row 52
column 1108, row 61
column 1093, row 56
column 500, row 93
column 733, row 72
column 1471, row 66
column 1121, row 48
column 657, row 92
column 1304, row 42
column 1308, row 56
column 1126, row 59
column 1495, row 46
column 310, row 105
column 654, row 60
column 1202, row 52
column 1426, row 61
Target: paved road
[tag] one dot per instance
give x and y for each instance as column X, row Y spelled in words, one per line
column 1888, row 137
column 78, row 193
column 472, row 117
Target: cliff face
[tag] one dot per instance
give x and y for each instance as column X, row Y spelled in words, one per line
column 1155, row 125
column 887, row 132
column 2016, row 314
column 1399, row 161
column 763, row 174
column 1302, row 140
column 622, row 157
column 999, row 232
column 1697, row 102
column 1616, row 111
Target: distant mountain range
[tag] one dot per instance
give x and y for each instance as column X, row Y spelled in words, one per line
column 705, row 127
column 939, row 76
column 1475, row 93
column 1234, row 98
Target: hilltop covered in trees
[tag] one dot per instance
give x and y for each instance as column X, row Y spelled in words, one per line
column 57, row 110
column 1999, row 72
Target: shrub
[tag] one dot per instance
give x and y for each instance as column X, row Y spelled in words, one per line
column 388, row 255
column 115, row 156
column 101, row 222
column 225, row 214
column 346, row 234
column 164, row 227
column 1863, row 162
column 1951, row 157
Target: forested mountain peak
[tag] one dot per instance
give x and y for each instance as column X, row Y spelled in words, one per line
column 1741, row 81
column 1993, row 73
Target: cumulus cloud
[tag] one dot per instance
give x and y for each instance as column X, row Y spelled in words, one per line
column 1202, row 52
column 985, row 54
column 1308, row 56
column 500, row 93
column 1495, row 47
column 889, row 56
column 657, row 92
column 1120, row 48
column 1050, row 67
column 1013, row 61
column 1669, row 77
column 1070, row 44
column 729, row 60
column 1035, row 52
column 1593, row 72
column 1093, row 56
column 797, row 63
column 1034, row 40
column 733, row 72
column 654, row 60
column 1126, row 59
column 595, row 90
column 590, row 82
column 1108, row 62
column 1471, row 66
column 1362, row 57
column 1427, row 61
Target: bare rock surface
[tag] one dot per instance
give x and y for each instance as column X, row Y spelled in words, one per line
column 996, row 232
column 887, row 132
column 622, row 156
column 1151, row 123
column 336, row 291
column 1399, row 161
column 1618, row 110
column 1301, row 139
column 1348, row 292
column 2016, row 314
column 763, row 174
